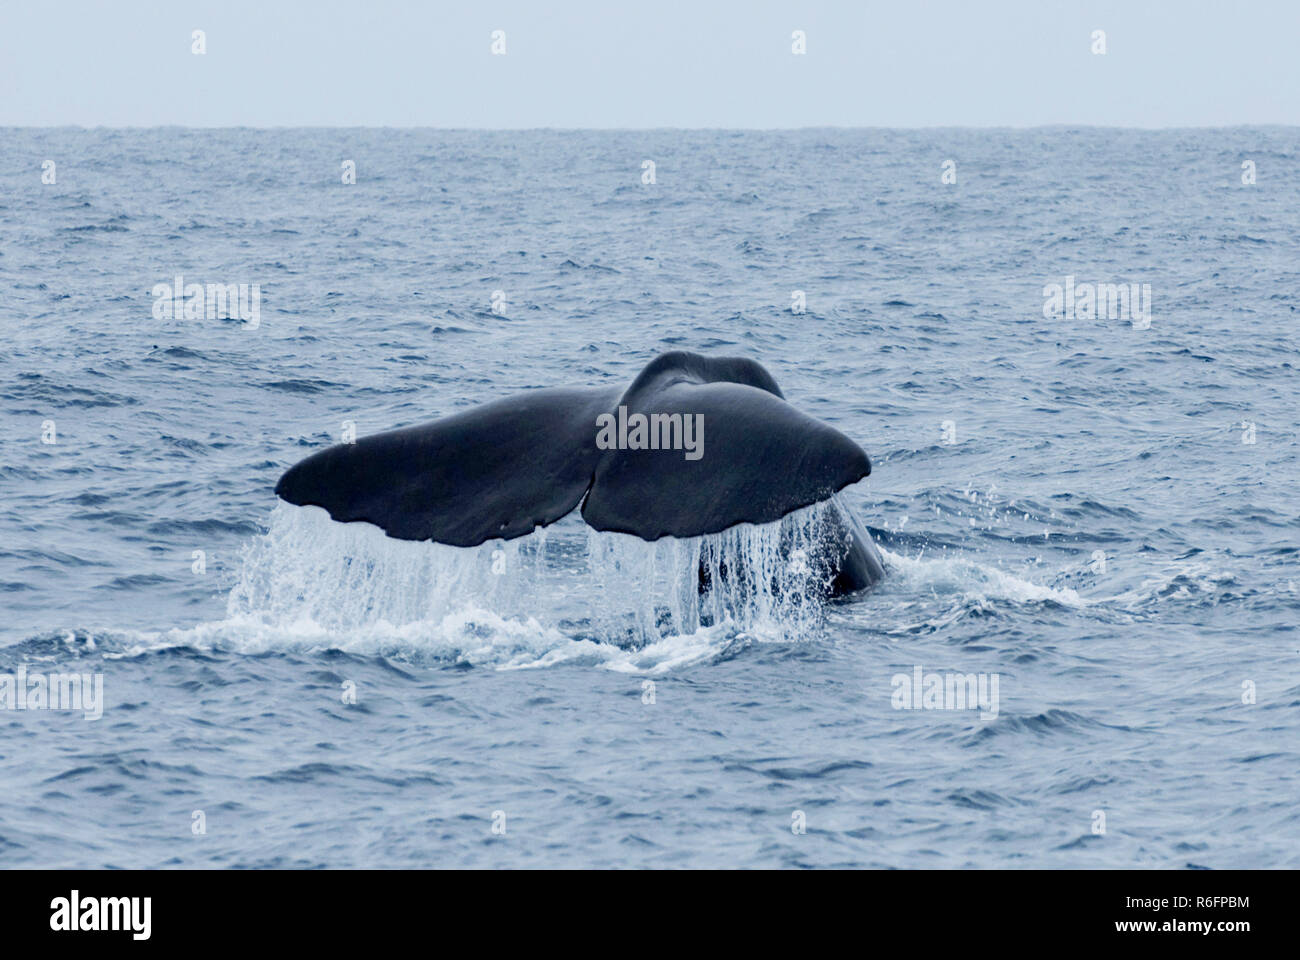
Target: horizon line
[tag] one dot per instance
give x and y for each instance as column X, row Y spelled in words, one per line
column 631, row 129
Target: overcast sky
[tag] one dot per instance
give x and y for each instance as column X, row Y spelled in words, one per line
column 616, row 63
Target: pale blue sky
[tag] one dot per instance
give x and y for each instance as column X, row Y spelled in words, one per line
column 725, row 63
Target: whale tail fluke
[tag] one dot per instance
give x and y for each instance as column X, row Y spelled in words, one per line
column 502, row 469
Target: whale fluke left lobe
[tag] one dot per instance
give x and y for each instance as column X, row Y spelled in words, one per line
column 495, row 471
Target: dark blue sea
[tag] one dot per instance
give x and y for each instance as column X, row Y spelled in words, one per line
column 1098, row 511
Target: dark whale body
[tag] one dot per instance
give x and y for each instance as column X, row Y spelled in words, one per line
column 500, row 470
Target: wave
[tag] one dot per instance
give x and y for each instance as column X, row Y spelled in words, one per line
column 974, row 580
column 568, row 594
column 565, row 594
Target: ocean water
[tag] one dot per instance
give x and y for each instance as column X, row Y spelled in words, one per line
column 1098, row 514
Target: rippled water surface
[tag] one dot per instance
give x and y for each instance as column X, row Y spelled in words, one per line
column 1070, row 504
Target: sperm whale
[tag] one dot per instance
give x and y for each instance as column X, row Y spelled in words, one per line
column 693, row 446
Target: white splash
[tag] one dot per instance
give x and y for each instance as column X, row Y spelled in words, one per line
column 607, row 598
column 971, row 579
